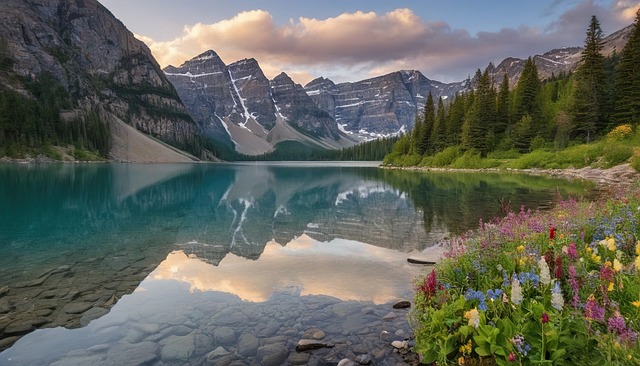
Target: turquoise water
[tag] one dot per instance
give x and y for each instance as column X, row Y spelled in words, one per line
column 147, row 264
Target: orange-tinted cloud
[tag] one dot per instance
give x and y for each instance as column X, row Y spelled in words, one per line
column 353, row 46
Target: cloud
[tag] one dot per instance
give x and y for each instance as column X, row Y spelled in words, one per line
column 353, row 46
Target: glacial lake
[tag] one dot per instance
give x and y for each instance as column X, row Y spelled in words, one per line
column 227, row 264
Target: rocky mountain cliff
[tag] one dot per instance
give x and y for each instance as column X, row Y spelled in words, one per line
column 557, row 61
column 237, row 103
column 380, row 106
column 103, row 68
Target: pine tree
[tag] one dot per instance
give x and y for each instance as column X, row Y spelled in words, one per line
column 477, row 130
column 502, row 107
column 527, row 103
column 455, row 120
column 439, row 132
column 589, row 108
column 627, row 85
column 425, row 145
column 416, row 137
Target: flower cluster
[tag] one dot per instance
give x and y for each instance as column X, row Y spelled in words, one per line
column 534, row 286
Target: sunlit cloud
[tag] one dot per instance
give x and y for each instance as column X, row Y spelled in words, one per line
column 353, row 46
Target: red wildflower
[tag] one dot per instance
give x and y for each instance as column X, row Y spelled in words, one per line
column 430, row 284
column 545, row 318
column 559, row 271
column 512, row 357
column 552, row 232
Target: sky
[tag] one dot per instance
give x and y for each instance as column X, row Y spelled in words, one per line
column 351, row 40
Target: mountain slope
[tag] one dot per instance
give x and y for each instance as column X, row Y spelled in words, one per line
column 236, row 103
column 77, row 47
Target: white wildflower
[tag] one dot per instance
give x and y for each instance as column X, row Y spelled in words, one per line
column 545, row 276
column 516, row 292
column 557, row 301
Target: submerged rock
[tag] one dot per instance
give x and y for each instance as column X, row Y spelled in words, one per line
column 308, row 344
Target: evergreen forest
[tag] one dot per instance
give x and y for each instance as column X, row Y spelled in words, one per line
column 554, row 122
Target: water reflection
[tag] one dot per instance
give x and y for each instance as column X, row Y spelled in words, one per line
column 344, row 269
column 88, row 234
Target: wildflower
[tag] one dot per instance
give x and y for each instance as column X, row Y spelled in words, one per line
column 606, row 273
column 573, row 251
column 574, row 285
column 461, row 361
column 466, row 348
column 611, row 244
column 430, row 284
column 636, row 303
column 516, row 292
column 545, row 276
column 616, row 323
column 617, row 266
column 595, row 258
column 545, row 318
column 552, row 232
column 592, row 311
column 473, row 317
column 611, row 286
column 557, row 301
column 638, row 246
column 519, row 343
column 559, row 271
column 512, row 357
column 494, row 294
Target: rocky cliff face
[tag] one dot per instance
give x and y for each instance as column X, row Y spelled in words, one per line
column 557, row 61
column 238, row 103
column 380, row 106
column 92, row 55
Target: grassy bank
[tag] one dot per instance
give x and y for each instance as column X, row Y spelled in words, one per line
column 560, row 287
column 620, row 146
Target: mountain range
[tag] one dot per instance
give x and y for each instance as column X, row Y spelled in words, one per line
column 156, row 115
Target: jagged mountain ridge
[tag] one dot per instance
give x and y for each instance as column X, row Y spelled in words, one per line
column 237, row 103
column 556, row 61
column 92, row 55
column 380, row 106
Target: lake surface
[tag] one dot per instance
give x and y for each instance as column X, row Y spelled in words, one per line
column 174, row 264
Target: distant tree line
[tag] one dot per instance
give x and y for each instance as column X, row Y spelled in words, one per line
column 31, row 122
column 602, row 93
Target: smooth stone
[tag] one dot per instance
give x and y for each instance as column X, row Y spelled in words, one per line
column 92, row 314
column 99, row 347
column 272, row 354
column 5, row 307
column 364, row 359
column 308, row 344
column 404, row 304
column 346, row 362
column 298, row 358
column 390, row 337
column 148, row 328
column 19, row 327
column 132, row 354
column 177, row 330
column 399, row 344
column 248, row 345
column 4, row 290
column 178, row 348
column 390, row 317
column 314, row 334
column 224, row 335
column 219, row 357
column 271, row 329
column 8, row 342
column 77, row 307
column 80, row 360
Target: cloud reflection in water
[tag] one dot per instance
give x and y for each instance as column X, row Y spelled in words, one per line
column 344, row 269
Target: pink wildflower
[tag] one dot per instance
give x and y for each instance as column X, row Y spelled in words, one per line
column 512, row 357
column 592, row 311
column 430, row 284
column 574, row 285
column 573, row 251
column 559, row 271
column 545, row 318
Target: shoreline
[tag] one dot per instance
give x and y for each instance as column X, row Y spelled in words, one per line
column 622, row 174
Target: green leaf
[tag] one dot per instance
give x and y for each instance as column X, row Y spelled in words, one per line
column 482, row 352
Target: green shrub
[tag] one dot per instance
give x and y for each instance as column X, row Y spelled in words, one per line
column 616, row 154
column 447, row 156
column 635, row 163
column 504, row 154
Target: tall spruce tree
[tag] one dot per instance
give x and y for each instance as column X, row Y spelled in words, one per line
column 502, row 107
column 477, row 131
column 455, row 119
column 590, row 103
column 527, row 107
column 439, row 131
column 425, row 146
column 416, row 136
column 627, row 85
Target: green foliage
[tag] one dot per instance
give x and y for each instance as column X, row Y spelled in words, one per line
column 616, row 154
column 627, row 80
column 558, row 287
column 446, row 157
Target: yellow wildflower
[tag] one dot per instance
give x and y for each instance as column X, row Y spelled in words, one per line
column 637, row 263
column 461, row 361
column 638, row 248
column 636, row 303
column 607, row 264
column 595, row 258
column 611, row 244
column 520, row 248
column 588, row 249
column 617, row 266
column 611, row 286
column 466, row 348
column 473, row 316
